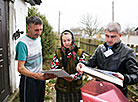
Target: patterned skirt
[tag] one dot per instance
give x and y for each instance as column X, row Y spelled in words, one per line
column 69, row 97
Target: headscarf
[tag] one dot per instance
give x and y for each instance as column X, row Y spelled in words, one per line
column 68, row 53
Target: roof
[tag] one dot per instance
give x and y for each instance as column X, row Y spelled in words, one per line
column 33, row 2
column 136, row 29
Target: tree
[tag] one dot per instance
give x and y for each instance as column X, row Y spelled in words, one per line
column 47, row 36
column 129, row 30
column 90, row 25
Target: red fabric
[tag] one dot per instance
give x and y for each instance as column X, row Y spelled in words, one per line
column 98, row 91
column 56, row 63
column 109, row 95
column 90, row 98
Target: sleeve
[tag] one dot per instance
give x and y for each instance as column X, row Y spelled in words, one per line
column 21, row 51
column 79, row 75
column 92, row 62
column 40, row 42
column 55, row 62
column 132, row 70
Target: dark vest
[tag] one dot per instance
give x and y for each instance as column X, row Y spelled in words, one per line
column 62, row 85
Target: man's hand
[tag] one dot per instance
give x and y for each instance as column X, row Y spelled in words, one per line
column 79, row 66
column 39, row 76
column 44, row 76
column 49, row 76
column 119, row 75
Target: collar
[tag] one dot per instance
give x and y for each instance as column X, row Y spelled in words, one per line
column 115, row 46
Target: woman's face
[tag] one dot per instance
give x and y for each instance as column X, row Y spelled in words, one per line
column 67, row 40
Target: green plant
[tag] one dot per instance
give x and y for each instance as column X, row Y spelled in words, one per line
column 47, row 36
column 48, row 89
column 47, row 97
column 52, row 81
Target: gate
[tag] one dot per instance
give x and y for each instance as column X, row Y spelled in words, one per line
column 4, row 72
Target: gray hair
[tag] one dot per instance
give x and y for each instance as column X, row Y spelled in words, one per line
column 34, row 20
column 114, row 27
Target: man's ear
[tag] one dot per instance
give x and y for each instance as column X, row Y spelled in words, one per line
column 120, row 34
column 28, row 27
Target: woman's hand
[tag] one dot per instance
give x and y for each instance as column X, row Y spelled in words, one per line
column 70, row 78
column 79, row 66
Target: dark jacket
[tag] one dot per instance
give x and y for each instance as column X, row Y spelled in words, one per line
column 123, row 60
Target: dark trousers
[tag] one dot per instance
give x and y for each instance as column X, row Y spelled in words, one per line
column 31, row 90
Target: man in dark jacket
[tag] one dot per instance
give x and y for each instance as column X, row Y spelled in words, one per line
column 115, row 56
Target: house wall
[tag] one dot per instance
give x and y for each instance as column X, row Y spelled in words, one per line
column 17, row 20
column 132, row 39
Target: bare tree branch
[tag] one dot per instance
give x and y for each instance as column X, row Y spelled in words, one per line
column 90, row 25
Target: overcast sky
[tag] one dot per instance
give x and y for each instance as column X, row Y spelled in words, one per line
column 125, row 12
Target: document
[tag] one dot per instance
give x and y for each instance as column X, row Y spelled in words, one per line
column 58, row 73
column 102, row 75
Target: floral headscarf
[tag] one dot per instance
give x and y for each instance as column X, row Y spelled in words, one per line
column 71, row 51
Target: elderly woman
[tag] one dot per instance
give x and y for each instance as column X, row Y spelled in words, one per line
column 67, row 57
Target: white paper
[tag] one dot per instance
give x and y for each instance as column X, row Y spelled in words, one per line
column 58, row 72
column 102, row 74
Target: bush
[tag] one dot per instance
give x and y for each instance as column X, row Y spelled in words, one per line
column 47, row 36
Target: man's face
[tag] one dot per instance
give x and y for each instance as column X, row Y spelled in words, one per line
column 111, row 37
column 34, row 31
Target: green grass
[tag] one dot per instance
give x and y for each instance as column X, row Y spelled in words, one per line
column 47, row 97
column 52, row 81
column 16, row 98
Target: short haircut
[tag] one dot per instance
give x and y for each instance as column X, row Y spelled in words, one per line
column 114, row 27
column 34, row 20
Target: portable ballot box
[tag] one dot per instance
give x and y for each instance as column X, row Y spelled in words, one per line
column 99, row 91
